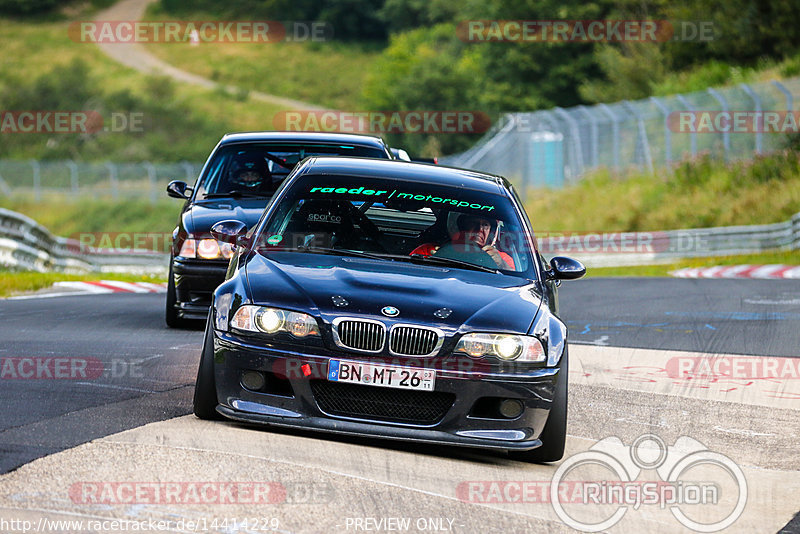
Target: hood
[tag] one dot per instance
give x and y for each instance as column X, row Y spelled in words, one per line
column 200, row 217
column 477, row 300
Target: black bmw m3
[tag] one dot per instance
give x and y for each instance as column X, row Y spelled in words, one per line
column 391, row 299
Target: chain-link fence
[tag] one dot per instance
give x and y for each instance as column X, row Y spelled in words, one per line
column 559, row 146
column 112, row 180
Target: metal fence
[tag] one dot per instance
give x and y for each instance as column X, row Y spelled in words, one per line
column 559, row 146
column 114, row 180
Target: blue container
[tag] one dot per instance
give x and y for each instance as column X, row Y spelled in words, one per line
column 546, row 163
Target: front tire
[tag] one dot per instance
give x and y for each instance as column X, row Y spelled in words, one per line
column 554, row 434
column 205, row 387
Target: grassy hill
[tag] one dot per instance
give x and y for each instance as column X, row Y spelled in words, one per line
column 326, row 73
column 43, row 69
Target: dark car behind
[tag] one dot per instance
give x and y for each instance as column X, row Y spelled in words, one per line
column 237, row 181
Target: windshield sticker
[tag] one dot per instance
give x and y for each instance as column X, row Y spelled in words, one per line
column 274, row 239
column 405, row 196
column 324, row 217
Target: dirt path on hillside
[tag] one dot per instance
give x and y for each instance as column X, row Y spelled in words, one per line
column 136, row 56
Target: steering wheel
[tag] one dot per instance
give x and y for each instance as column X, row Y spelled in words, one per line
column 469, row 252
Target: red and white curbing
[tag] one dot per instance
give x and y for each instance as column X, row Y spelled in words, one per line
column 112, row 286
column 101, row 287
column 740, row 271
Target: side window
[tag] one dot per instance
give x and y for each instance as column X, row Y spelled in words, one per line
column 213, row 176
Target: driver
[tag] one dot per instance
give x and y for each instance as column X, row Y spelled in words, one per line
column 248, row 172
column 473, row 230
column 476, row 230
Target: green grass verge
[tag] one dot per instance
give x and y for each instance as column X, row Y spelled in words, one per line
column 766, row 258
column 700, row 193
column 17, row 282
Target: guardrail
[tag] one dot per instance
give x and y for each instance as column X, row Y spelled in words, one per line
column 642, row 248
column 25, row 244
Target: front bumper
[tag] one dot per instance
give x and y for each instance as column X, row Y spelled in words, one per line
column 195, row 282
column 294, row 403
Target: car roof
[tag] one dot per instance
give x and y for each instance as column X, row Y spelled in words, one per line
column 304, row 137
column 405, row 171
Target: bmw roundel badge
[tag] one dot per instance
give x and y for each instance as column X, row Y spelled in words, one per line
column 390, row 311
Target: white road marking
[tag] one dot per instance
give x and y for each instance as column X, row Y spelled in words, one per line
column 111, row 386
column 742, row 432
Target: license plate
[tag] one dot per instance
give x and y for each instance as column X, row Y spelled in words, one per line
column 388, row 376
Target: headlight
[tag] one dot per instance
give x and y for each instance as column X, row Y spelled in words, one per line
column 206, row 249
column 273, row 320
column 507, row 347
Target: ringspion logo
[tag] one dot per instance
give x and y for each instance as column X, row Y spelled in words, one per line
column 704, row 490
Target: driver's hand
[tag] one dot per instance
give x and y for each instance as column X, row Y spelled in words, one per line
column 498, row 259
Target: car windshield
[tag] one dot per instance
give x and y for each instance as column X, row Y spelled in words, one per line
column 398, row 221
column 257, row 169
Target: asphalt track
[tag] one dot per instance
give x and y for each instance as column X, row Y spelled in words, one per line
column 757, row 317
column 148, row 373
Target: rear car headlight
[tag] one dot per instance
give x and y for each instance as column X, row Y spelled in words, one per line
column 251, row 318
column 206, row 249
column 506, row 347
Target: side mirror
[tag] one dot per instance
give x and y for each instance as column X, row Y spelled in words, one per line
column 229, row 231
column 566, row 268
column 400, row 154
column 177, row 189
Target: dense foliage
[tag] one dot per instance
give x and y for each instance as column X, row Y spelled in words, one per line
column 155, row 123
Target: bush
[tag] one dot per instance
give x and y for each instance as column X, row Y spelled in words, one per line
column 169, row 130
column 428, row 69
column 29, row 7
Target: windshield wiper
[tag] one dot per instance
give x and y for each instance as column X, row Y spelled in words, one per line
column 452, row 262
column 386, row 256
column 337, row 252
column 236, row 193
